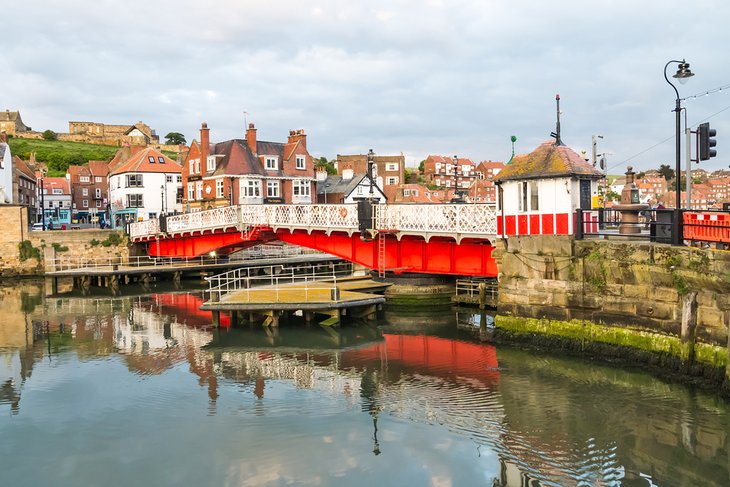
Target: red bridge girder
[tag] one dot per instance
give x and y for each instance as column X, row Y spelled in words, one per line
column 440, row 255
column 221, row 241
column 409, row 254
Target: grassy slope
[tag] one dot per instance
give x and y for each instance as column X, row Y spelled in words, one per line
column 59, row 155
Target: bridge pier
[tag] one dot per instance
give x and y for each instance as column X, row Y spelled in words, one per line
column 216, row 318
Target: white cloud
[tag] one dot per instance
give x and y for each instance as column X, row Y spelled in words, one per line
column 399, row 75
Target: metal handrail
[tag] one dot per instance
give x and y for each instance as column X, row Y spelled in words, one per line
column 247, row 278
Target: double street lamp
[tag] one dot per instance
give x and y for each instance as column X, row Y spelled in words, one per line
column 682, row 75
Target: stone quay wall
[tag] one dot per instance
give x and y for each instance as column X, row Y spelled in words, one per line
column 24, row 253
column 655, row 298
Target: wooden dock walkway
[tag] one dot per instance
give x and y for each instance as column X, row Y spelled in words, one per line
column 353, row 296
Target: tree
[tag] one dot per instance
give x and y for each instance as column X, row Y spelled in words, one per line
column 174, row 138
column 322, row 163
column 421, row 165
column 666, row 171
column 50, row 135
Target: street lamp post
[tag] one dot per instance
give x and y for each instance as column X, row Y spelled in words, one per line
column 682, row 75
column 162, row 200
column 371, row 161
column 457, row 198
column 43, row 202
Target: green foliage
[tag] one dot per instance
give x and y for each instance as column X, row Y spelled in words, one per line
column 673, row 262
column 421, row 165
column 174, row 138
column 58, row 155
column 679, row 283
column 27, row 251
column 666, row 171
column 323, row 163
column 49, row 135
column 58, row 247
column 113, row 239
column 94, row 242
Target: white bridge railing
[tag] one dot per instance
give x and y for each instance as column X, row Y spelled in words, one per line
column 460, row 219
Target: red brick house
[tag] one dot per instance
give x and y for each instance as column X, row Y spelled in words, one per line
column 89, row 188
column 247, row 171
column 439, row 171
column 388, row 171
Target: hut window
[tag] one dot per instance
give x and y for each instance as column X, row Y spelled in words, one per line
column 534, row 196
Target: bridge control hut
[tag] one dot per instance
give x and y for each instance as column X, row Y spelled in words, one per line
column 540, row 191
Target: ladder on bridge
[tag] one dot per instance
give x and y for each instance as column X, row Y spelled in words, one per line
column 381, row 254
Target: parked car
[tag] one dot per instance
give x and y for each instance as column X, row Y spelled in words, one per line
column 37, row 226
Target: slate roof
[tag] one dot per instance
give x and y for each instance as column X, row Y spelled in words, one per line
column 337, row 185
column 22, row 167
column 547, row 161
column 234, row 157
column 8, row 116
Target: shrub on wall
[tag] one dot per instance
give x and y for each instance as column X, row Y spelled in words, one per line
column 27, row 251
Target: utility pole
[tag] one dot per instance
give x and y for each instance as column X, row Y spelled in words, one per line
column 593, row 148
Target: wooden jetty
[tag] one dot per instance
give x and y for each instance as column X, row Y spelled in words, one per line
column 354, row 297
column 113, row 275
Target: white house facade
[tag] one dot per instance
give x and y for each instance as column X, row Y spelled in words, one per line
column 6, row 171
column 146, row 186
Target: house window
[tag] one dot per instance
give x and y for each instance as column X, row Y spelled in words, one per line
column 179, row 196
column 179, row 178
column 151, row 159
column 391, row 166
column 197, row 165
column 251, row 188
column 98, row 192
column 85, row 203
column 272, row 189
column 211, row 163
column 191, row 191
column 97, row 179
column 270, row 163
column 534, row 196
column 160, row 159
column 300, row 162
column 406, row 192
column 168, row 178
column 85, row 192
column 84, row 179
column 199, row 190
column 134, row 180
column 57, row 191
column 192, row 166
column 301, row 187
column 523, row 195
column 134, row 201
column 98, row 204
column 391, row 180
column 219, row 188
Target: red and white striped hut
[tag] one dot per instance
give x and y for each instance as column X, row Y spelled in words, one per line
column 540, row 191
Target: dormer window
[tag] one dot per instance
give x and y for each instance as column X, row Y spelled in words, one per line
column 270, row 162
column 161, row 159
column 211, row 163
column 151, row 159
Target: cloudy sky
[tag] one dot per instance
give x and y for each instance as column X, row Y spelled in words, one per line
column 418, row 77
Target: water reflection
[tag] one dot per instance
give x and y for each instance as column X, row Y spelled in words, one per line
column 421, row 391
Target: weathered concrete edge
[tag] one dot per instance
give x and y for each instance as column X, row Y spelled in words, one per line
column 666, row 353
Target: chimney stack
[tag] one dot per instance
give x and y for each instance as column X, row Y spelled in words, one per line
column 204, row 147
column 298, row 136
column 251, row 138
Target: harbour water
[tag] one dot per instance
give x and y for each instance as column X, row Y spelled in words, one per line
column 141, row 390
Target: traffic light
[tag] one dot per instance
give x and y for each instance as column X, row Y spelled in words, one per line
column 706, row 141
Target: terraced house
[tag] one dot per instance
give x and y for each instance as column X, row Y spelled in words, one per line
column 247, row 171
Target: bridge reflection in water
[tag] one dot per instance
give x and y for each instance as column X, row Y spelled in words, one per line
column 541, row 420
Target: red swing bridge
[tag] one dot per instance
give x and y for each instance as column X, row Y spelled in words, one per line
column 453, row 239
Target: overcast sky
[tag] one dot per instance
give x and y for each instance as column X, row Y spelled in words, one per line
column 419, row 77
